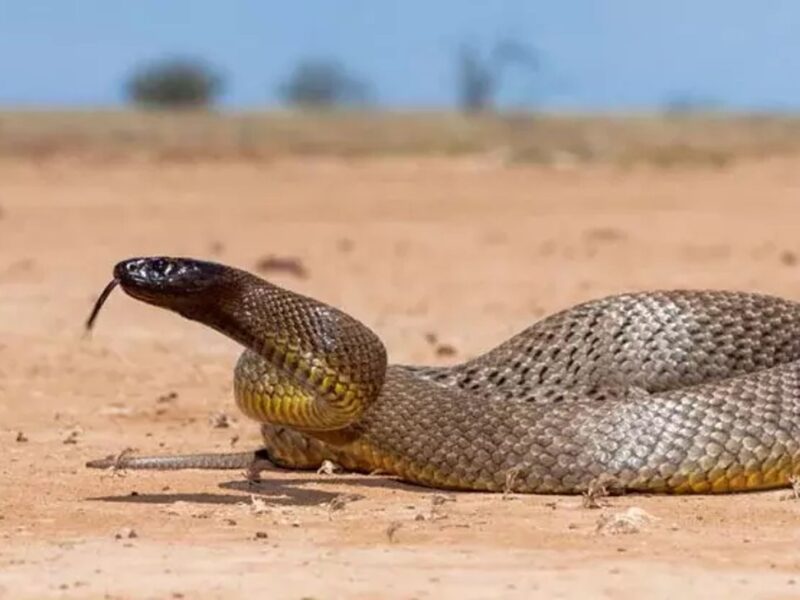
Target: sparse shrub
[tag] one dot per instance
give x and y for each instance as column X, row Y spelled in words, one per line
column 174, row 83
column 478, row 76
column 323, row 84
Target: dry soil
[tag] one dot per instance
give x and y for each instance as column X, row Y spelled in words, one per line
column 444, row 258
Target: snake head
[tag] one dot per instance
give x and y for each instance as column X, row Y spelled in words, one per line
column 169, row 282
column 184, row 285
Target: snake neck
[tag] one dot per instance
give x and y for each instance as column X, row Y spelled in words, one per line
column 307, row 364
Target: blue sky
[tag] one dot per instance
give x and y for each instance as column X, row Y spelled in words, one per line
column 609, row 55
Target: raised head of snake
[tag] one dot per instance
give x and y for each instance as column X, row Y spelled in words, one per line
column 319, row 368
column 674, row 391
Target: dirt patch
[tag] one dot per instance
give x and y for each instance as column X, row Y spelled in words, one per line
column 455, row 253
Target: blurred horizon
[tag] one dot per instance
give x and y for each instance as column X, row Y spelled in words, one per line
column 591, row 55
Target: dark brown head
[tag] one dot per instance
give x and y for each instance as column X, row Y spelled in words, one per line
column 172, row 282
column 185, row 285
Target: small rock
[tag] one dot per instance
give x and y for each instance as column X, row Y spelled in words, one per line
column 788, row 258
column 261, row 535
column 168, row 397
column 72, row 438
column 604, row 234
column 126, row 533
column 21, row 437
column 446, row 350
column 116, row 410
column 291, row 265
column 328, row 467
column 629, row 521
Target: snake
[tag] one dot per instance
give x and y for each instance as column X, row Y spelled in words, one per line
column 679, row 391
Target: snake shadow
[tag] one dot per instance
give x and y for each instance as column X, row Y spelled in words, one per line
column 278, row 492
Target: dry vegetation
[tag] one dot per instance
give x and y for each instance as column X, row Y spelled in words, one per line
column 665, row 140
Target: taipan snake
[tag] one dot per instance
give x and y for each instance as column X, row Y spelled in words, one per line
column 676, row 391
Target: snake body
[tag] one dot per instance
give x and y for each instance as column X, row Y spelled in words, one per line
column 675, row 391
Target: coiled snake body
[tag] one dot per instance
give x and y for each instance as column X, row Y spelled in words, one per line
column 680, row 391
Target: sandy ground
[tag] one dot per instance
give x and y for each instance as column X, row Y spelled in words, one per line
column 468, row 251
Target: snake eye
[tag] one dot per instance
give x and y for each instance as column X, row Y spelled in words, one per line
column 161, row 267
column 143, row 271
column 166, row 268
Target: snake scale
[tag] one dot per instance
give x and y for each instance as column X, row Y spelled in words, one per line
column 674, row 391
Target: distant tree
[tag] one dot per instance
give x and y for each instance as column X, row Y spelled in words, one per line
column 174, row 83
column 476, row 81
column 320, row 83
column 478, row 77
